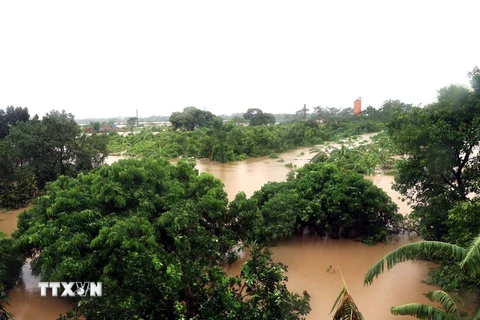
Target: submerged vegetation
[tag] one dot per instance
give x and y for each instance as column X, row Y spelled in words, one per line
column 230, row 142
column 362, row 158
column 157, row 234
column 321, row 199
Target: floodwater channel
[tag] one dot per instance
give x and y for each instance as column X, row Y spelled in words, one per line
column 308, row 259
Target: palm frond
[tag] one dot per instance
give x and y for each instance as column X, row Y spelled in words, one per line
column 421, row 311
column 424, row 250
column 319, row 157
column 445, row 300
column 346, row 307
column 471, row 262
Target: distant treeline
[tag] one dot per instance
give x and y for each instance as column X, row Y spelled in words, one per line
column 201, row 134
column 230, row 142
column 381, row 114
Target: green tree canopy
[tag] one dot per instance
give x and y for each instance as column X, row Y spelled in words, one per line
column 154, row 234
column 131, row 123
column 10, row 269
column 257, row 117
column 322, row 199
column 10, row 117
column 441, row 168
column 192, row 118
column 38, row 151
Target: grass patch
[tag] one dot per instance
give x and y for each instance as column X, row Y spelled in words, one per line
column 241, row 157
column 390, row 172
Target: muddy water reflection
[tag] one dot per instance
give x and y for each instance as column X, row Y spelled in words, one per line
column 26, row 302
column 8, row 220
column 307, row 258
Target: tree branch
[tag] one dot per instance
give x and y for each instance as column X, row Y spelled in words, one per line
column 447, row 181
column 466, row 158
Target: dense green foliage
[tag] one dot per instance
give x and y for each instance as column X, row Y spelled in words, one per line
column 38, row 151
column 441, row 168
column 439, row 174
column 154, row 234
column 386, row 111
column 257, row 117
column 230, row 142
column 361, row 158
column 10, row 117
column 192, row 118
column 10, row 266
column 18, row 182
column 321, row 199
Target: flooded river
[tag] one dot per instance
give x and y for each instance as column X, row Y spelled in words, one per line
column 307, row 258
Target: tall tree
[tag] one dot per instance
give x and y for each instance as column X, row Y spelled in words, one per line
column 389, row 107
column 10, row 117
column 53, row 146
column 192, row 118
column 441, row 168
column 10, row 270
column 18, row 183
column 131, row 123
column 257, row 117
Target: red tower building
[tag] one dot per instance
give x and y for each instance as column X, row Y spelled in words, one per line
column 357, row 106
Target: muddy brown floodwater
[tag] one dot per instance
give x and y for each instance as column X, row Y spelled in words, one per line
column 307, row 258
column 26, row 302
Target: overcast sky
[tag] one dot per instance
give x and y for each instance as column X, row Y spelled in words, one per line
column 108, row 58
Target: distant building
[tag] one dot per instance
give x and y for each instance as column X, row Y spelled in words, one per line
column 357, row 106
column 104, row 129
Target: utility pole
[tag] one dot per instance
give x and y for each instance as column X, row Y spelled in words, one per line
column 305, row 112
column 137, row 118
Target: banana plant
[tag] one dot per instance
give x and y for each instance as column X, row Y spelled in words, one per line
column 346, row 307
column 468, row 259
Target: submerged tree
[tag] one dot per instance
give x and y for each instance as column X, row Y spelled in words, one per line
column 322, row 199
column 155, row 235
